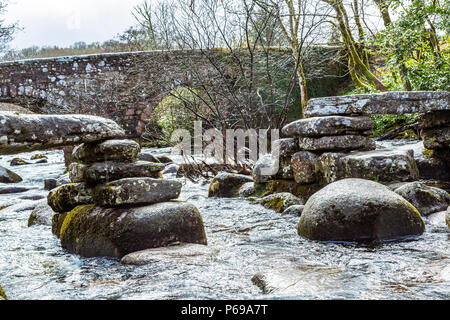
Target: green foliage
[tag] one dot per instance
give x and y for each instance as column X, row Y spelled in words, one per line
column 385, row 123
column 176, row 111
column 416, row 44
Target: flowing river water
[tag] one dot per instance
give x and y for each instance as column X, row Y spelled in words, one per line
column 246, row 238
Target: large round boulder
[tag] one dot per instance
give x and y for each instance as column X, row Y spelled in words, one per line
column 7, row 176
column 426, row 199
column 358, row 210
column 92, row 231
column 227, row 185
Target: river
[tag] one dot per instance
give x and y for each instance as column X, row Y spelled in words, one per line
column 247, row 238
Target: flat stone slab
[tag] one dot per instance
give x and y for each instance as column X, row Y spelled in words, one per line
column 378, row 165
column 136, row 191
column 25, row 133
column 329, row 126
column 103, row 172
column 336, row 143
column 117, row 150
column 184, row 252
column 380, row 103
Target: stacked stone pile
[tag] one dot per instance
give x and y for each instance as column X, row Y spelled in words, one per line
column 117, row 205
column 436, row 134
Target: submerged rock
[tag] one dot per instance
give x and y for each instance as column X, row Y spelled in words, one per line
column 92, row 231
column 358, row 210
column 18, row 162
column 227, row 185
column 379, row 165
column 26, row 133
column 65, row 198
column 164, row 159
column 280, row 201
column 102, row 172
column 7, row 176
column 180, row 253
column 11, row 190
column 309, row 280
column 147, row 157
column 41, row 215
column 329, row 126
column 136, row 191
column 110, row 150
column 50, row 184
column 337, row 143
column 426, row 199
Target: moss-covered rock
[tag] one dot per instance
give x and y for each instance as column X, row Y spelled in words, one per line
column 107, row 171
column 358, row 210
column 227, row 185
column 280, row 201
column 41, row 215
column 65, row 198
column 302, row 191
column 115, row 232
column 57, row 222
column 110, row 150
column 136, row 191
column 426, row 199
column 2, row 294
column 38, row 156
column 7, row 176
column 18, row 162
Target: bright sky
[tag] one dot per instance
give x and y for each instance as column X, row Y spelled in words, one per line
column 63, row 22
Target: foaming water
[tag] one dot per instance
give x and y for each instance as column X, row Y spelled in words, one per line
column 247, row 238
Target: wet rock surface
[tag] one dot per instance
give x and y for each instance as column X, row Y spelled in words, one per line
column 227, row 185
column 134, row 191
column 358, row 210
column 426, row 199
column 279, row 202
column 69, row 196
column 329, row 126
column 115, row 232
column 7, row 176
column 25, row 133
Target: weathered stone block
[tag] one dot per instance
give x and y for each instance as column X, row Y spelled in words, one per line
column 26, row 133
column 379, row 165
column 329, row 126
column 103, row 172
column 304, row 167
column 110, row 150
column 337, row 143
column 436, row 138
column 136, row 191
column 69, row 196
